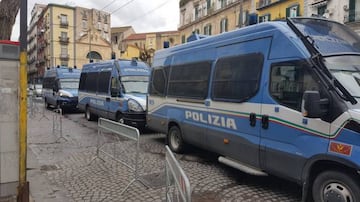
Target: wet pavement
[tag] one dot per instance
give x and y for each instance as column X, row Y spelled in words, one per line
column 65, row 167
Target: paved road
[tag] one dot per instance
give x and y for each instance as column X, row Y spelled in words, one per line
column 62, row 167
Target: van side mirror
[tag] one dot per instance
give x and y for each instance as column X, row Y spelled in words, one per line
column 55, row 88
column 312, row 106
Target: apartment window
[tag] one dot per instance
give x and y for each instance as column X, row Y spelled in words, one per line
column 63, row 20
column 224, row 25
column 106, row 28
column 183, row 39
column 208, row 4
column 84, row 24
column 63, row 35
column 321, row 10
column 207, row 29
column 292, row 11
column 197, row 12
column 264, row 18
column 237, row 78
column 222, row 3
column 64, row 50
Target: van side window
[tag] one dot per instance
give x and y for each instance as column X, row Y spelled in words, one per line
column 115, row 85
column 91, row 81
column 159, row 80
column 104, row 82
column 190, row 80
column 288, row 82
column 82, row 81
column 237, row 78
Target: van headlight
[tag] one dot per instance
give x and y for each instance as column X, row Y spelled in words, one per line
column 134, row 106
column 64, row 95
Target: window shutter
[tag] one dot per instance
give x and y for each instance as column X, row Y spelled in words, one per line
column 287, row 12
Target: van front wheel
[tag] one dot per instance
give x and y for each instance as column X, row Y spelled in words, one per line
column 335, row 186
column 88, row 115
column 175, row 140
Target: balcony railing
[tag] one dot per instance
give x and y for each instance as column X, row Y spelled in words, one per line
column 64, row 24
column 64, row 56
column 64, row 40
column 264, row 3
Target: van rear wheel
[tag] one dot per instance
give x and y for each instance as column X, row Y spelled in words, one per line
column 175, row 140
column 336, row 186
column 88, row 115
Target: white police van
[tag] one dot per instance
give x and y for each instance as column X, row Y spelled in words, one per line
column 277, row 98
column 115, row 89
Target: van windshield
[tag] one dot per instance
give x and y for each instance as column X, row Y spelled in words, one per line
column 69, row 83
column 135, row 84
column 328, row 37
column 346, row 69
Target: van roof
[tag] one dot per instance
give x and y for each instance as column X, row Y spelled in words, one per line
column 125, row 67
column 63, row 72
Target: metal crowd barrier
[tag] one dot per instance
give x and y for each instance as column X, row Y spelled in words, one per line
column 120, row 130
column 177, row 183
column 57, row 125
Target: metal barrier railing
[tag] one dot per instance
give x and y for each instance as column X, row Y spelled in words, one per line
column 120, row 130
column 177, row 183
column 57, row 125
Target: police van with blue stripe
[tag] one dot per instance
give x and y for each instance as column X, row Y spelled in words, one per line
column 115, row 89
column 278, row 98
column 60, row 87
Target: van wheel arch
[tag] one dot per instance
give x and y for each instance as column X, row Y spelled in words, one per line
column 315, row 167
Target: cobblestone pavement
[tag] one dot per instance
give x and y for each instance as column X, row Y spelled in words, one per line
column 66, row 168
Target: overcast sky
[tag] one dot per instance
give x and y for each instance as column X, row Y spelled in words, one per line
column 142, row 15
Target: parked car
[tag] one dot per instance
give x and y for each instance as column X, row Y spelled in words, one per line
column 37, row 90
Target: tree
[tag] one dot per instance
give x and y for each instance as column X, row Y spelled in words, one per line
column 8, row 12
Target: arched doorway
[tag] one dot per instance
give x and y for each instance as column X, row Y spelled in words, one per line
column 94, row 56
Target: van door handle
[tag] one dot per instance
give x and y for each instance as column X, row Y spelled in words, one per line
column 265, row 121
column 107, row 99
column 252, row 119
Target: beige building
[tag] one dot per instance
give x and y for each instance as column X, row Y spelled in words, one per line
column 92, row 35
column 69, row 36
column 144, row 45
column 118, row 35
column 211, row 17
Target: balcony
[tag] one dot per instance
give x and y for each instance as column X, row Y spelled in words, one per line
column 64, row 56
column 261, row 4
column 64, row 40
column 64, row 24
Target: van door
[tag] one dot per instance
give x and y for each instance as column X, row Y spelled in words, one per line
column 288, row 138
column 234, row 106
column 103, row 93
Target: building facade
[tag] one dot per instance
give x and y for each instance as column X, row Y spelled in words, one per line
column 269, row 10
column 68, row 36
column 143, row 45
column 210, row 17
column 118, row 35
column 32, row 36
